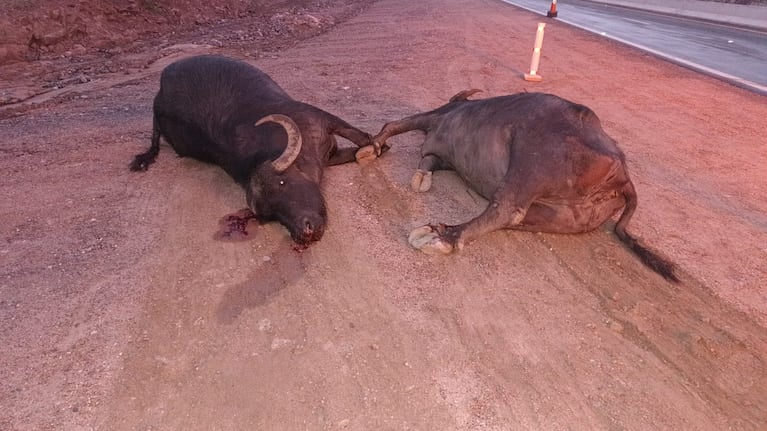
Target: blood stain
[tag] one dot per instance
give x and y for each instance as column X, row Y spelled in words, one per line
column 238, row 226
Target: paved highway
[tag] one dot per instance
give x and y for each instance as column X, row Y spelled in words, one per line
column 738, row 55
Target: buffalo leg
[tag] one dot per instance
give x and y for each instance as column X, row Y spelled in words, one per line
column 362, row 154
column 508, row 208
column 345, row 130
column 366, row 151
column 342, row 155
column 357, row 136
column 393, row 128
column 421, row 180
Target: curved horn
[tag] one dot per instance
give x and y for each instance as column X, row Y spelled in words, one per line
column 294, row 140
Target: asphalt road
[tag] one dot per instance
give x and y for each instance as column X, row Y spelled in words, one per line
column 737, row 55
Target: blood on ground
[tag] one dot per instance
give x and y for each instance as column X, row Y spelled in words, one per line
column 238, row 226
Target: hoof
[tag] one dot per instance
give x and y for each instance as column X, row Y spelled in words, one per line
column 428, row 241
column 367, row 154
column 421, row 181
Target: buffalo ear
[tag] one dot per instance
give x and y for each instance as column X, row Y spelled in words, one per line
column 293, row 148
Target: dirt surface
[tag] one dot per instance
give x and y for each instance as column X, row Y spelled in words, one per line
column 120, row 311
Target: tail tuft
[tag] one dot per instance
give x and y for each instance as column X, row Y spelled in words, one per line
column 652, row 260
column 142, row 161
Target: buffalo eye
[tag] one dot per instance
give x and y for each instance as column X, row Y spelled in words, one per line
column 282, row 183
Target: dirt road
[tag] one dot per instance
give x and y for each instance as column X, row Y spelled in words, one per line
column 119, row 311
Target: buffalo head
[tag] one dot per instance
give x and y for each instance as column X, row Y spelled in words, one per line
column 278, row 191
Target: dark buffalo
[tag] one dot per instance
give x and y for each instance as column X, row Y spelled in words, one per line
column 229, row 113
column 544, row 163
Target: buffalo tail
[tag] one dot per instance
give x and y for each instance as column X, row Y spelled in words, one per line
column 652, row 260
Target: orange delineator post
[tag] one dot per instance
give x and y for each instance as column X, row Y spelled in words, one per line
column 533, row 76
column 552, row 13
